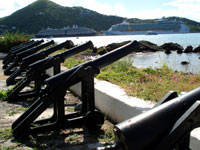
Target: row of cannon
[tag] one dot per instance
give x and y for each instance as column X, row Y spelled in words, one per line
column 167, row 126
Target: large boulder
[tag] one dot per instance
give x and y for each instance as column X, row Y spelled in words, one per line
column 146, row 46
column 110, row 47
column 188, row 49
column 197, row 49
column 171, row 46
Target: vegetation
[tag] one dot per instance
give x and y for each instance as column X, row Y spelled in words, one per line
column 4, row 93
column 44, row 13
column 148, row 84
column 9, row 39
column 6, row 134
column 16, row 110
column 193, row 25
column 72, row 61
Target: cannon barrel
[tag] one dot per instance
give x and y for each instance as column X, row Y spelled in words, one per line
column 99, row 63
column 12, row 54
column 35, row 43
column 19, row 56
column 41, row 55
column 142, row 131
column 61, row 56
column 21, row 45
column 30, row 51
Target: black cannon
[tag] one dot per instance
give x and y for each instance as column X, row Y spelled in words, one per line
column 9, row 58
column 19, row 56
column 19, row 46
column 6, row 58
column 55, row 91
column 165, row 127
column 37, row 72
column 35, row 57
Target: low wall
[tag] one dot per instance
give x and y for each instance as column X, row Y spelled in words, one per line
column 113, row 102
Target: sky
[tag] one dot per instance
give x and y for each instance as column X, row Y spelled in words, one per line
column 142, row 9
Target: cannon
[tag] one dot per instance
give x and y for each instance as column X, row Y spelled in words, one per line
column 55, row 91
column 12, row 54
column 36, row 72
column 20, row 45
column 35, row 57
column 19, row 56
column 16, row 48
column 167, row 126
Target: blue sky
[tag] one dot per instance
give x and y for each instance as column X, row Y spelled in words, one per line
column 143, row 9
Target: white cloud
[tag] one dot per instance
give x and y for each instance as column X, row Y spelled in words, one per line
column 104, row 8
column 7, row 7
column 186, row 8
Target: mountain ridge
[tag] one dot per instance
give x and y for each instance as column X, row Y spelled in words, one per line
column 44, row 13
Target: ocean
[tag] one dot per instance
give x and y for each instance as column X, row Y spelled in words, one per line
column 157, row 59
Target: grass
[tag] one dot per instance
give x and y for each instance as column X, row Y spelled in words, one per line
column 4, row 94
column 6, row 134
column 17, row 110
column 9, row 39
column 148, row 84
column 72, row 61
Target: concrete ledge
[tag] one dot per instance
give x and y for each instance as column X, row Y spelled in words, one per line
column 113, row 102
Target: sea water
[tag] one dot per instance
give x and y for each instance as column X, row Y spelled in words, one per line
column 156, row 59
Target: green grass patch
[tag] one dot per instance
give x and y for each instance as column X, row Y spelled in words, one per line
column 72, row 61
column 148, row 84
column 6, row 134
column 4, row 94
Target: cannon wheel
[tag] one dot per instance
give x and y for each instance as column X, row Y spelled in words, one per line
column 94, row 120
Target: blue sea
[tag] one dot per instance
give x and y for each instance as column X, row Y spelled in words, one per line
column 153, row 60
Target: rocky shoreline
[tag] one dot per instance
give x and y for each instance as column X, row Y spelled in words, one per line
column 146, row 46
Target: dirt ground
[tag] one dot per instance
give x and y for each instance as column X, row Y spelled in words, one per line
column 72, row 139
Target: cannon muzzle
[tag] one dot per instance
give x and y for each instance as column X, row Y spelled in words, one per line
column 143, row 131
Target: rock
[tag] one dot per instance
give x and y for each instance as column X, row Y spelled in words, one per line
column 188, row 49
column 94, row 50
column 179, row 51
column 149, row 47
column 184, row 62
column 110, row 47
column 168, row 52
column 197, row 49
column 171, row 46
column 101, row 51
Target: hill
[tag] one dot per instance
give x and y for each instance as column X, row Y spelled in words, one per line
column 193, row 25
column 44, row 13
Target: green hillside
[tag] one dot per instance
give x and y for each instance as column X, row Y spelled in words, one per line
column 45, row 13
column 194, row 26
